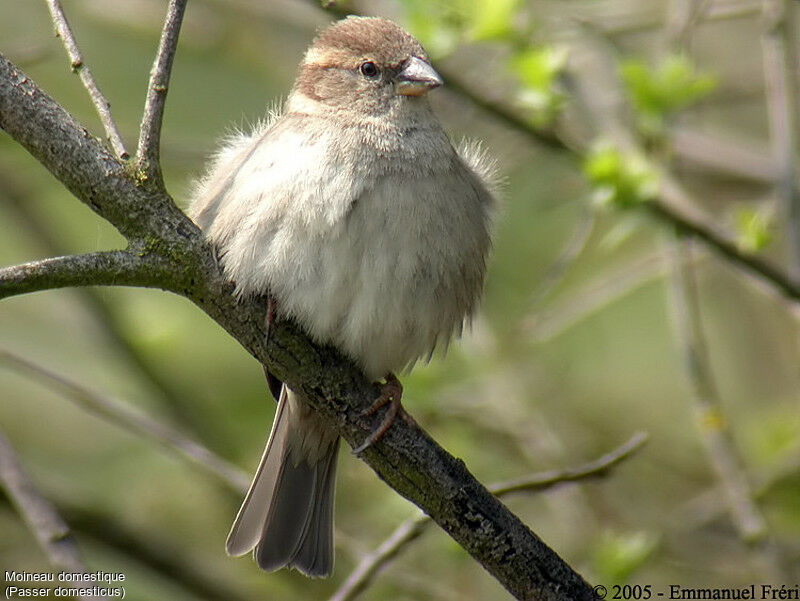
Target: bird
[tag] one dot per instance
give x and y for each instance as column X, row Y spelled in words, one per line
column 353, row 210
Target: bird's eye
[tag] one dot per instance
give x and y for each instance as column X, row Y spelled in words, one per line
column 369, row 70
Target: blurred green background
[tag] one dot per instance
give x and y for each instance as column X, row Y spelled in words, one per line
column 576, row 345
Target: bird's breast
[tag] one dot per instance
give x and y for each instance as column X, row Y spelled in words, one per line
column 394, row 275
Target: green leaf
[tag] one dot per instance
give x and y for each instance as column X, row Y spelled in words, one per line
column 619, row 180
column 753, row 229
column 658, row 93
column 537, row 69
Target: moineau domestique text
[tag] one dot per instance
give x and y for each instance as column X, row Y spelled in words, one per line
column 98, row 576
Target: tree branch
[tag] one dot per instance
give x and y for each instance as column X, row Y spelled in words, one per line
column 101, row 105
column 105, row 268
column 597, row 468
column 721, row 242
column 139, row 424
column 411, row 529
column 148, row 151
column 51, row 532
column 405, row 457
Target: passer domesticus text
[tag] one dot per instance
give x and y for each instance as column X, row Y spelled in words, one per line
column 357, row 215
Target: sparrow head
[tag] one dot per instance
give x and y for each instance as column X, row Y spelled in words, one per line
column 365, row 65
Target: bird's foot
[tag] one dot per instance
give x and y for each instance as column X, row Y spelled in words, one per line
column 391, row 394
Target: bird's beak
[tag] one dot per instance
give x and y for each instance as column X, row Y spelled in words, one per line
column 416, row 77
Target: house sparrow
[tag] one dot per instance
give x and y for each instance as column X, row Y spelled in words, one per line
column 355, row 213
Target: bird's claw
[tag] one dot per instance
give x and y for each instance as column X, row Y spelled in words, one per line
column 391, row 394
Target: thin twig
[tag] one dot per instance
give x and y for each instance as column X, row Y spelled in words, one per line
column 597, row 468
column 780, row 64
column 707, row 402
column 101, row 105
column 51, row 532
column 104, row 268
column 411, row 529
column 364, row 574
column 132, row 421
column 148, row 151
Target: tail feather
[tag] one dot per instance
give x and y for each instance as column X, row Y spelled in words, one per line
column 246, row 530
column 314, row 556
column 287, row 514
column 299, row 529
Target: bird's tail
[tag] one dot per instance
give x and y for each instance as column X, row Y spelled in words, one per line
column 287, row 514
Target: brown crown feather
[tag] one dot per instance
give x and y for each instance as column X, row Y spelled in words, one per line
column 358, row 38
